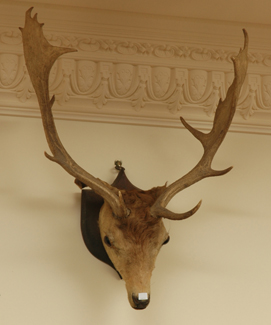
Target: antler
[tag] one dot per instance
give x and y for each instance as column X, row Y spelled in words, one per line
column 210, row 142
column 40, row 57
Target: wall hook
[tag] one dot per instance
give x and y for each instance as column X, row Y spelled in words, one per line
column 118, row 165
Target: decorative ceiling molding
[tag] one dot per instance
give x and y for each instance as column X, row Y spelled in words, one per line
column 135, row 80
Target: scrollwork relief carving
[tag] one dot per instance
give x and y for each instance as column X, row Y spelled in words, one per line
column 137, row 84
column 160, row 81
column 266, row 90
column 136, row 48
column 8, row 68
column 121, row 76
column 197, row 84
column 86, row 73
column 10, row 37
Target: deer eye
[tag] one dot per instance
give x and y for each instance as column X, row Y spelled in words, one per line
column 166, row 241
column 107, row 241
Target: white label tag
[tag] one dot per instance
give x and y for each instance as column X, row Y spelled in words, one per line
column 143, row 296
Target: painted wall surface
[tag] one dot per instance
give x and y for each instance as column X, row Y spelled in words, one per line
column 215, row 270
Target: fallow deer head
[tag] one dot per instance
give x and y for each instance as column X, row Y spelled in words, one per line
column 131, row 222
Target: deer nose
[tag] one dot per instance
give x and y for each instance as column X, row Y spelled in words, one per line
column 141, row 300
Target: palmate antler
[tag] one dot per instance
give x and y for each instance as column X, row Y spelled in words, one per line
column 40, row 57
column 210, row 142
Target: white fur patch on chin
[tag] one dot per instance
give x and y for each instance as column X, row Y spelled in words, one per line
column 143, row 296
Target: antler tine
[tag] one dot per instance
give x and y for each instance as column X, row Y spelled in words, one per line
column 210, row 141
column 40, row 57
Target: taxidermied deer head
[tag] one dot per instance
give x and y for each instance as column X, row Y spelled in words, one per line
column 131, row 222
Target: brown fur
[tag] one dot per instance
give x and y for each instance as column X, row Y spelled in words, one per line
column 140, row 225
column 135, row 240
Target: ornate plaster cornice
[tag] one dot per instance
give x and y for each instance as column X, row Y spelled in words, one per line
column 140, row 81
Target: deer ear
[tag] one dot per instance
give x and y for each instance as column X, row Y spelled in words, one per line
column 166, row 241
column 155, row 192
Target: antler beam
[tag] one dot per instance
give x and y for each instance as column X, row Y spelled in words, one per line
column 210, row 142
column 40, row 57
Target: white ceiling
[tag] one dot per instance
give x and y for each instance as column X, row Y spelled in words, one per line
column 249, row 11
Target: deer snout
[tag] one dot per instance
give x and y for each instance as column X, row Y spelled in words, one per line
column 140, row 300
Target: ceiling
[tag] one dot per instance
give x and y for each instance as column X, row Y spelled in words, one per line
column 249, row 11
column 160, row 44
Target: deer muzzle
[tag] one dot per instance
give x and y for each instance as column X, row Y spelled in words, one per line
column 140, row 300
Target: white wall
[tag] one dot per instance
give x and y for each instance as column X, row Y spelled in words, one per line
column 215, row 270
